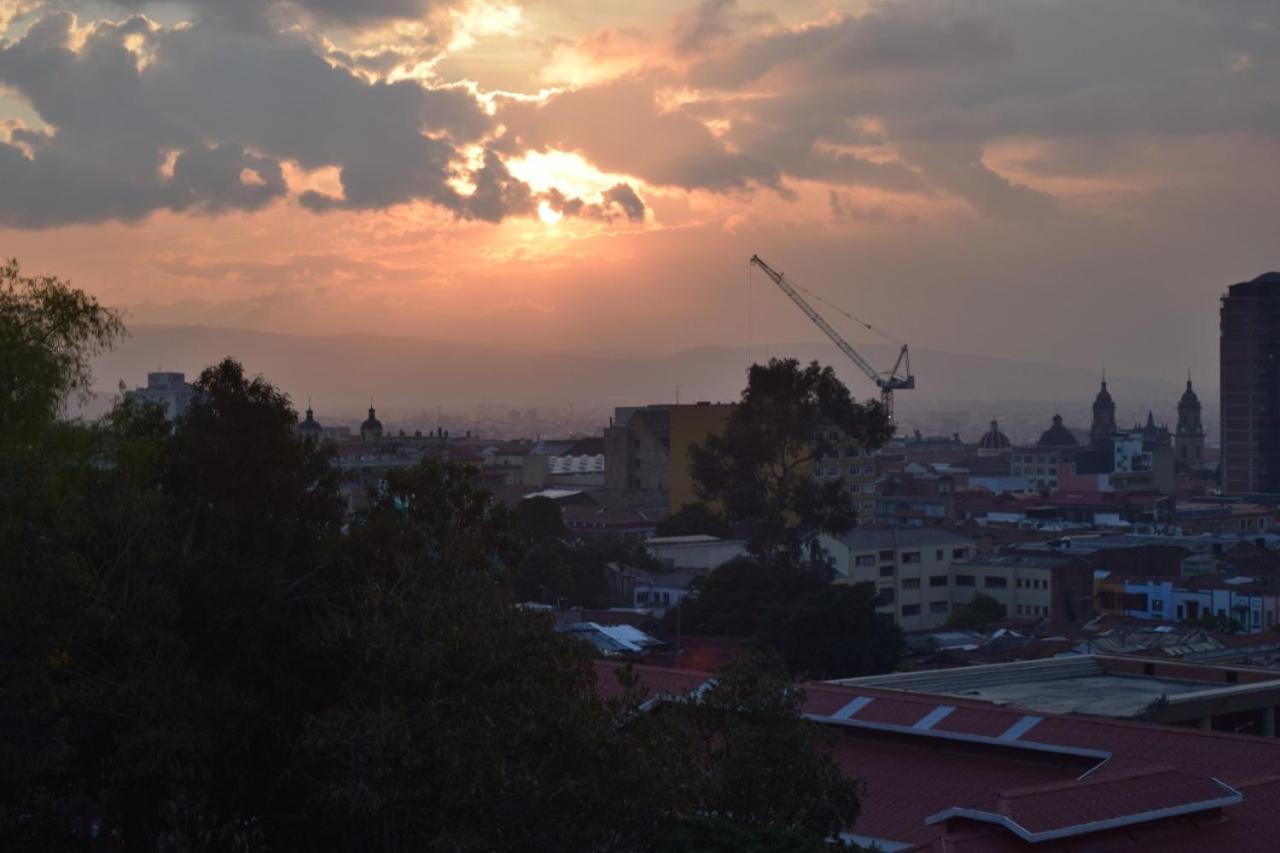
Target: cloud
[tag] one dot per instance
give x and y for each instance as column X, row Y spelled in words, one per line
column 121, row 97
column 620, row 127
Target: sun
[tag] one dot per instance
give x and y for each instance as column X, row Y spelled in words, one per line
column 549, row 214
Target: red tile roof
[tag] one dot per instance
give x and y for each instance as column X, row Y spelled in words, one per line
column 1047, row 774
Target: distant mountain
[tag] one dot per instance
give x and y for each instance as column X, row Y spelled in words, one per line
column 341, row 373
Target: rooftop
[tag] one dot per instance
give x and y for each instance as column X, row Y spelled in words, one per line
column 962, row 774
column 871, row 538
column 1080, row 684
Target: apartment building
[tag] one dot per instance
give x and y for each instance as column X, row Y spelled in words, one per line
column 1030, row 588
column 910, row 567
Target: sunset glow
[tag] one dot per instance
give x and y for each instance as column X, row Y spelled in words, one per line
column 906, row 159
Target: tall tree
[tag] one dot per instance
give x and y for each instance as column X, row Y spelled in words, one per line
column 760, row 469
column 834, row 632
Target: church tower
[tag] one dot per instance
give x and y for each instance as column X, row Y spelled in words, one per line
column 1189, row 438
column 1104, row 417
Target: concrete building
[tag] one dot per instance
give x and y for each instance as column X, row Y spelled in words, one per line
column 695, row 551
column 1042, row 464
column 1056, row 588
column 169, row 391
column 1250, row 386
column 1218, row 698
column 910, row 567
column 690, row 425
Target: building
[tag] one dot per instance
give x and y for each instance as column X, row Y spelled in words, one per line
column 169, row 391
column 1218, row 698
column 1190, row 598
column 994, row 442
column 951, row 771
column 1103, row 426
column 690, row 425
column 371, row 429
column 1056, row 588
column 1250, row 386
column 1041, row 465
column 910, row 567
column 916, row 496
column 1188, row 438
column 696, row 551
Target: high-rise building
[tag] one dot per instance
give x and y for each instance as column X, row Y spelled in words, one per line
column 1250, row 383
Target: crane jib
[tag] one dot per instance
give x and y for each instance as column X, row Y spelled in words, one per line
column 887, row 383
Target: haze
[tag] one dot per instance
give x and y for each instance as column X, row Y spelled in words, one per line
column 1071, row 182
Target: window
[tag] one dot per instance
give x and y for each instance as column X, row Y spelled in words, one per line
column 1020, row 582
column 940, row 555
column 938, row 607
column 864, row 560
column 886, row 571
column 855, row 488
column 960, row 554
column 1157, row 605
column 886, row 596
column 910, row 557
column 911, row 583
column 868, row 469
column 964, row 580
column 995, row 582
column 911, row 610
column 886, row 555
column 938, row 580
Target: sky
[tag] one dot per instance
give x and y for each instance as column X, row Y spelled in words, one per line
column 1065, row 181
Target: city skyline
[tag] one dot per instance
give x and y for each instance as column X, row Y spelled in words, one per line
column 1049, row 220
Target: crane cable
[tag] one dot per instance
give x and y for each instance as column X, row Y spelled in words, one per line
column 888, row 337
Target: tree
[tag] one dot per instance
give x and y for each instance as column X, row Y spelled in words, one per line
column 763, row 763
column 761, row 468
column 834, row 632
column 731, row 600
column 539, row 518
column 692, row 519
column 978, row 613
column 48, row 333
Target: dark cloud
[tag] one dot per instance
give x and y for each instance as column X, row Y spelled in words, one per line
column 231, row 105
column 624, row 196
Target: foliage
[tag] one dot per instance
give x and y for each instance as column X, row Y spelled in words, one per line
column 760, row 469
column 48, row 333
column 834, row 632
column 694, row 519
column 199, row 652
column 731, row 600
column 1221, row 623
column 981, row 611
column 539, row 518
column 764, row 764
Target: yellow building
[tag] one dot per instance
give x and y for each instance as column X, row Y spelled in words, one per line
column 690, row 424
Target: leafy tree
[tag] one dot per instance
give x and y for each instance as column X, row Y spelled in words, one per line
column 834, row 632
column 764, row 764
column 731, row 600
column 539, row 518
column 693, row 519
column 49, row 331
column 760, row 468
column 981, row 611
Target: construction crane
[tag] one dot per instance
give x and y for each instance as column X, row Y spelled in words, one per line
column 886, row 382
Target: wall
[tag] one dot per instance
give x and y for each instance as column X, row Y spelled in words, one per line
column 690, row 424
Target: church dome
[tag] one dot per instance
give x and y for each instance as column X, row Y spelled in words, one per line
column 371, row 424
column 1057, row 435
column 1104, row 396
column 1189, row 397
column 309, row 424
column 994, row 439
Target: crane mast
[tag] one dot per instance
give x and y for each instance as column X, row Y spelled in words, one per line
column 887, row 383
